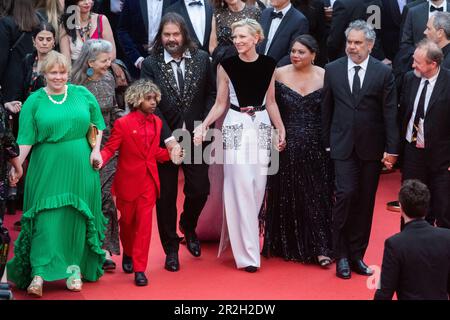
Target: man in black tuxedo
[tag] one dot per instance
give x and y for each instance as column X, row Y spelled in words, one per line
column 359, row 115
column 184, row 75
column 425, row 113
column 198, row 16
column 438, row 31
column 344, row 12
column 281, row 24
column 416, row 262
column 137, row 28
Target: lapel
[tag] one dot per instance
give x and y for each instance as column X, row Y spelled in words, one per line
column 344, row 71
column 265, row 21
column 283, row 24
column 370, row 76
column 437, row 91
column 412, row 97
column 187, row 76
column 133, row 126
column 144, row 12
column 185, row 15
column 208, row 19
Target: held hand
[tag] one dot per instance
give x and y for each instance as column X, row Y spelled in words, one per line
column 96, row 160
column 13, row 106
column 281, row 140
column 328, row 13
column 389, row 160
column 177, row 154
column 200, row 134
column 14, row 175
column 386, row 61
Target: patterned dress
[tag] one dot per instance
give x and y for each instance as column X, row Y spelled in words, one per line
column 9, row 150
column 62, row 223
column 103, row 89
column 298, row 202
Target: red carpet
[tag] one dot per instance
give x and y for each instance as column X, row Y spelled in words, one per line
column 211, row 278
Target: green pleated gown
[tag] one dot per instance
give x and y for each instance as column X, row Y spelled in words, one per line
column 62, row 223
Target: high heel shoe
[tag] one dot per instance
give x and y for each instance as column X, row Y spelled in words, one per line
column 324, row 262
column 74, row 282
column 35, row 287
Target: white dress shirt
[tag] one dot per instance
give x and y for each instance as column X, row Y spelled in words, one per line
column 197, row 15
column 401, row 5
column 169, row 59
column 361, row 73
column 442, row 5
column 116, row 6
column 420, row 133
column 274, row 26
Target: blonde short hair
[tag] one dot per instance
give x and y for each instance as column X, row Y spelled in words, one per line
column 252, row 25
column 52, row 59
column 135, row 93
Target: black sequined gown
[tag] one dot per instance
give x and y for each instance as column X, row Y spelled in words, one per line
column 296, row 213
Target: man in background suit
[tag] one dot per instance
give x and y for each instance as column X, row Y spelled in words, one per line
column 359, row 114
column 184, row 75
column 344, row 12
column 438, row 31
column 425, row 113
column 136, row 30
column 416, row 262
column 198, row 16
column 281, row 25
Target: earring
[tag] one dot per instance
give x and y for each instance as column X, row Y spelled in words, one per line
column 312, row 61
column 90, row 72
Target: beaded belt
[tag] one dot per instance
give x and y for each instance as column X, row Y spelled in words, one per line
column 249, row 109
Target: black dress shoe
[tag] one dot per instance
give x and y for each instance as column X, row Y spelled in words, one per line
column 172, row 264
column 251, row 269
column 192, row 242
column 343, row 269
column 109, row 265
column 140, row 279
column 361, row 268
column 127, row 264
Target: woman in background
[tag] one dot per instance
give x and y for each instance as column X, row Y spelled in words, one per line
column 92, row 71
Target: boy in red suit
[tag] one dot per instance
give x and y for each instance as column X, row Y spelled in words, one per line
column 136, row 185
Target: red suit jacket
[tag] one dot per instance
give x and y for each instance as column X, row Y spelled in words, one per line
column 135, row 166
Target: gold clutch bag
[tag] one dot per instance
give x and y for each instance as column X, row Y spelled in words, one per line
column 92, row 135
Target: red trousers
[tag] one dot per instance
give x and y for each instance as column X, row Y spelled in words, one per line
column 136, row 226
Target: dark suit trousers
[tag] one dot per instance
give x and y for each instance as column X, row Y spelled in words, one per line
column 416, row 165
column 356, row 186
column 196, row 190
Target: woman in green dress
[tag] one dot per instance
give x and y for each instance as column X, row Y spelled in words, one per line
column 62, row 224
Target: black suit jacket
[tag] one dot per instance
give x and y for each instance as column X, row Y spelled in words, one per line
column 199, row 90
column 132, row 31
column 367, row 125
column 293, row 24
column 416, row 264
column 344, row 12
column 391, row 20
column 180, row 8
column 437, row 116
column 446, row 62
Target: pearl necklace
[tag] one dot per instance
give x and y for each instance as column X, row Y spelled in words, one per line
column 53, row 100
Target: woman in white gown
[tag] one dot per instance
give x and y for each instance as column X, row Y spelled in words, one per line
column 246, row 85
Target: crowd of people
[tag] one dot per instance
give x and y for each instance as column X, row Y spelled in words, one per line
column 105, row 101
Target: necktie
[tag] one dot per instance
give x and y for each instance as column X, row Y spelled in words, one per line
column 195, row 3
column 356, row 83
column 274, row 15
column 433, row 8
column 420, row 112
column 180, row 77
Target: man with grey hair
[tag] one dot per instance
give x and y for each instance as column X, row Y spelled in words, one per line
column 438, row 31
column 425, row 114
column 359, row 127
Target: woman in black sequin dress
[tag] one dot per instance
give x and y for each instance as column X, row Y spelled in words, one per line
column 297, row 209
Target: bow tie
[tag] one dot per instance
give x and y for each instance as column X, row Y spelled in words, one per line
column 195, row 3
column 274, row 15
column 433, row 8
